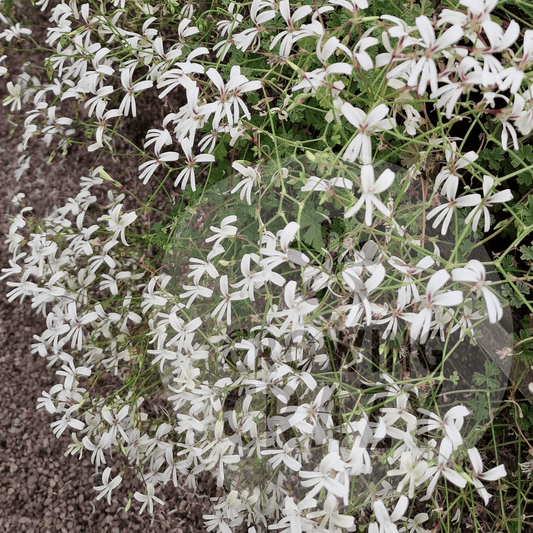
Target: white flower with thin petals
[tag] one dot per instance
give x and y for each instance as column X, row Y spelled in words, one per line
column 297, row 308
column 413, row 470
column 131, row 88
column 317, row 184
column 474, row 273
column 188, row 172
column 118, row 224
column 224, row 307
column 442, row 468
column 478, row 475
column 452, row 422
column 148, row 499
column 408, row 282
column 198, row 268
column 330, row 516
column 230, row 95
column 454, row 162
column 288, row 34
column 370, row 188
column 414, row 525
column 277, row 257
column 445, row 211
column 351, row 5
column 149, row 167
column 421, row 322
column 512, row 77
column 282, row 456
column 15, row 96
column 508, row 114
column 361, row 146
column 425, row 71
column 358, row 55
column 225, row 231
column 322, row 478
column 252, row 177
column 386, row 520
column 108, row 486
column 488, row 199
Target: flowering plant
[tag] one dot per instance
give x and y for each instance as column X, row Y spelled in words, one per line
column 310, row 356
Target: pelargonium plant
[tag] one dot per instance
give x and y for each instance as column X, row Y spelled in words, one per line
column 312, row 297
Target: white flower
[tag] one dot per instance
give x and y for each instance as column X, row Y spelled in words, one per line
column 118, row 224
column 288, row 34
column 296, row 307
column 224, row 307
column 370, row 189
column 515, row 113
column 188, row 172
column 414, row 525
column 148, row 499
column 280, row 456
column 474, row 273
column 361, row 146
column 421, row 322
column 252, row 177
column 276, row 257
column 252, row 279
column 386, row 520
column 358, row 55
column 315, row 183
column 76, row 325
column 488, row 199
column 114, row 420
column 331, row 516
column 445, row 211
column 108, row 486
column 149, row 167
column 198, row 268
column 351, row 5
column 100, row 134
column 425, row 70
column 60, row 426
column 71, row 374
column 131, row 88
column 225, row 231
column 446, row 449
column 478, row 476
column 230, row 95
column 454, row 162
column 404, row 294
column 193, row 291
column 512, row 77
column 322, row 478
column 413, row 470
column 15, row 96
column 451, row 423
column 14, row 32
column 98, row 456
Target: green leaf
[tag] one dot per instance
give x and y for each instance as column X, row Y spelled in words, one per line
column 312, row 220
column 512, row 295
column 479, row 405
column 159, row 237
column 525, row 179
column 489, row 379
column 525, row 154
column 527, row 253
column 493, row 157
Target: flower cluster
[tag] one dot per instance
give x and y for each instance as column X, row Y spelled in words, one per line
column 261, row 349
